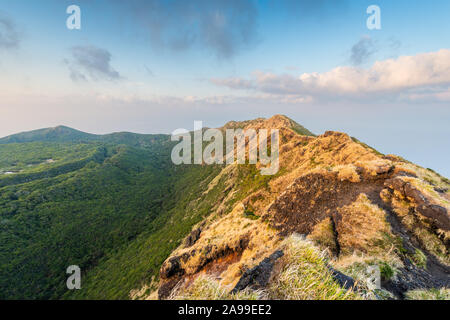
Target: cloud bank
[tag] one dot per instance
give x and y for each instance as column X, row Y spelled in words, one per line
column 413, row 77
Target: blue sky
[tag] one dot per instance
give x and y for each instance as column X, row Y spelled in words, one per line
column 154, row 66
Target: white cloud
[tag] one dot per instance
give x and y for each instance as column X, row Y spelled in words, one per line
column 406, row 76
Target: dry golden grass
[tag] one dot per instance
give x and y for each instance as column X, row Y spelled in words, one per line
column 361, row 225
column 305, row 275
column 208, row 288
column 432, row 243
column 359, row 266
column 347, row 173
column 228, row 171
column 323, row 234
column 427, row 175
column 359, row 258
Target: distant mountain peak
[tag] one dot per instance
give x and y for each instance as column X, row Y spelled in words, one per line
column 277, row 121
column 53, row 134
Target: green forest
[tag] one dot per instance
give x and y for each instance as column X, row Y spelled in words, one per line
column 114, row 205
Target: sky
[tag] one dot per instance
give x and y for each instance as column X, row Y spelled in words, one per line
column 152, row 66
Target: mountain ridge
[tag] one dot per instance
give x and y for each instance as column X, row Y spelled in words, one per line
column 143, row 227
column 344, row 197
column 63, row 133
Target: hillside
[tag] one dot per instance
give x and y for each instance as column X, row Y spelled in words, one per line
column 336, row 205
column 87, row 200
column 140, row 227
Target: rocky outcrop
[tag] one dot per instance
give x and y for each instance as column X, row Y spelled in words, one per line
column 190, row 262
column 410, row 277
column 343, row 280
column 192, row 237
column 259, row 276
column 424, row 204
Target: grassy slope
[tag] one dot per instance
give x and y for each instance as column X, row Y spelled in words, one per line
column 135, row 264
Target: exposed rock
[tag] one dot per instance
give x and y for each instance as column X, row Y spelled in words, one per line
column 192, row 237
column 194, row 260
column 411, row 278
column 172, row 267
column 423, row 204
column 441, row 190
column 413, row 193
column 343, row 280
column 439, row 215
column 259, row 276
column 166, row 287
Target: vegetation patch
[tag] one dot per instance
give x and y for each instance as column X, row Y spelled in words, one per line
column 305, row 275
column 207, row 288
column 367, row 146
column 324, row 235
column 386, row 271
column 250, row 215
column 361, row 225
column 419, row 258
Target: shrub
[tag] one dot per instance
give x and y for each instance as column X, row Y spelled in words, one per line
column 386, row 271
